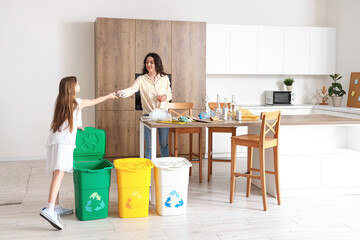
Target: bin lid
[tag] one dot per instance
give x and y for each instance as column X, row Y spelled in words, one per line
column 93, row 166
column 171, row 163
column 90, row 144
column 133, row 164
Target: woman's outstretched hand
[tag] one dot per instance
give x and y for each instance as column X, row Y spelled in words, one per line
column 161, row 98
column 120, row 94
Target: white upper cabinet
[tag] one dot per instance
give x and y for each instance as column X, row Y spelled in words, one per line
column 322, row 50
column 270, row 50
column 241, row 49
column 296, row 50
column 217, row 49
column 243, row 46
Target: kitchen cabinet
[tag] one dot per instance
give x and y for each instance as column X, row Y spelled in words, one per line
column 120, row 48
column 243, row 49
column 218, row 49
column 322, row 50
column 153, row 36
column 115, row 48
column 270, row 50
column 296, row 50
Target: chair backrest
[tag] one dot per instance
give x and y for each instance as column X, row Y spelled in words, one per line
column 212, row 105
column 270, row 123
column 186, row 108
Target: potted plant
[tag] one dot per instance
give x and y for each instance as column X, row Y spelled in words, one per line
column 336, row 92
column 289, row 82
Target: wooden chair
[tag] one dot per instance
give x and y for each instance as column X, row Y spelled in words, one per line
column 186, row 110
column 270, row 122
column 211, row 130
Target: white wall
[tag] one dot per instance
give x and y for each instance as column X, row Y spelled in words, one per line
column 42, row 41
column 344, row 15
column 249, row 89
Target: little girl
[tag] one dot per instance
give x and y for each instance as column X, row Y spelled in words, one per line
column 61, row 143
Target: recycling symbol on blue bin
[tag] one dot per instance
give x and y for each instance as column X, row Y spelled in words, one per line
column 174, row 200
column 94, row 203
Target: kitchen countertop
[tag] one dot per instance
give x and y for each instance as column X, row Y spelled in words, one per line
column 306, row 106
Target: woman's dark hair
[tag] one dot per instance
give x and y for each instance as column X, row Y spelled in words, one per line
column 158, row 64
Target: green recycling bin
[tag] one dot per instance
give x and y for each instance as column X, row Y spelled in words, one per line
column 92, row 175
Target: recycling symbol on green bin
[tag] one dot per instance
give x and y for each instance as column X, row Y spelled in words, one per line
column 95, row 203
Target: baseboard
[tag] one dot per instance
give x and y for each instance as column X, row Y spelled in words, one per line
column 22, row 158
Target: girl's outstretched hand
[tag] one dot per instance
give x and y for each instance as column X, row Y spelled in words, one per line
column 112, row 95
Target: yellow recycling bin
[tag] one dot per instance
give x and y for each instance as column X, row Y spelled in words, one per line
column 133, row 179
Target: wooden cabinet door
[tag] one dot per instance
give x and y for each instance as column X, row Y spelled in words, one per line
column 120, row 128
column 153, row 36
column 114, row 60
column 189, row 63
column 189, row 71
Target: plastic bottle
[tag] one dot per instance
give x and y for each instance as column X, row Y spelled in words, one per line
column 225, row 110
column 218, row 110
column 232, row 109
column 238, row 115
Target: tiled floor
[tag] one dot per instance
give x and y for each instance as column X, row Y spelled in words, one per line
column 209, row 214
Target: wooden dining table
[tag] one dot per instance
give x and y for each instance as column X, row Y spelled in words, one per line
column 297, row 123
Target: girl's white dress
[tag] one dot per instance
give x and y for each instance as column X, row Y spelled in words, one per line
column 60, row 145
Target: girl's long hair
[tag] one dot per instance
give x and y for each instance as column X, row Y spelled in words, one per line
column 158, row 64
column 65, row 104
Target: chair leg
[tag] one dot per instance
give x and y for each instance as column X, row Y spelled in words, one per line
column 232, row 172
column 276, row 170
column 175, row 143
column 200, row 156
column 209, row 154
column 169, row 143
column 190, row 150
column 249, row 166
column 262, row 176
column 210, row 151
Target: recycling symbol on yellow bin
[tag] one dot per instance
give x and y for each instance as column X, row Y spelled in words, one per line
column 95, row 203
column 134, row 201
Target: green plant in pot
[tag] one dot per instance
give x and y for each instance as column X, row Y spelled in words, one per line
column 289, row 82
column 336, row 92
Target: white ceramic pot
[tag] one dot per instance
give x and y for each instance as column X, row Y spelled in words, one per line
column 289, row 88
column 336, row 101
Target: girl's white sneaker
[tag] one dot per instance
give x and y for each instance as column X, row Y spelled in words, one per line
column 64, row 211
column 53, row 218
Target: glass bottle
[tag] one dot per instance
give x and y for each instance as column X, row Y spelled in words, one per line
column 218, row 110
column 225, row 110
column 232, row 109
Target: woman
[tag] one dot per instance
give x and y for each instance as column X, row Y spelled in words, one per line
column 155, row 92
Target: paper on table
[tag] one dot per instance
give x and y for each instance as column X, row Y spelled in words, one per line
column 356, row 81
column 352, row 93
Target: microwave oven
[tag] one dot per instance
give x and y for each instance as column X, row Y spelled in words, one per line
column 277, row 97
